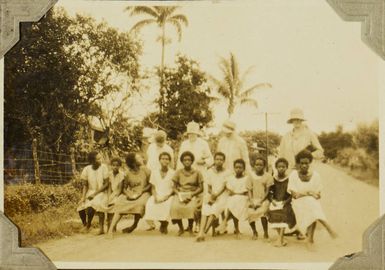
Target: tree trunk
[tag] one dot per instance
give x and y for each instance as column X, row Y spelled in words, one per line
column 162, row 94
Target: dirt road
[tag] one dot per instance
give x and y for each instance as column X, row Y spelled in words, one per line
column 350, row 205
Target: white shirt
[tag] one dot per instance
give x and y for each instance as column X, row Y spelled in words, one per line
column 200, row 149
column 234, row 148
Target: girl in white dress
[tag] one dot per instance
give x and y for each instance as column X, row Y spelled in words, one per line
column 305, row 188
column 239, row 187
column 115, row 187
column 159, row 204
column 215, row 200
column 94, row 198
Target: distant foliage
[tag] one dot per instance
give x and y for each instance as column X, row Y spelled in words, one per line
column 335, row 141
column 366, row 137
column 258, row 139
column 356, row 150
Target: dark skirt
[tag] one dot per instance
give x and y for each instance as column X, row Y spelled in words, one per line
column 282, row 216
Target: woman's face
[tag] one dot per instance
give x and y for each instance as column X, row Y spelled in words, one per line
column 259, row 165
column 281, row 168
column 239, row 169
column 304, row 165
column 219, row 160
column 297, row 123
column 164, row 161
column 115, row 166
column 98, row 160
column 139, row 159
column 192, row 137
column 187, row 161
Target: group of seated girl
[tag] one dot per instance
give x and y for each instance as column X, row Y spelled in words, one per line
column 210, row 198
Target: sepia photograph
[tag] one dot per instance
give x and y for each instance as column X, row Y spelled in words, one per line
column 183, row 134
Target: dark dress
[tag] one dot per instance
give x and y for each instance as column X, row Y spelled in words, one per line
column 282, row 215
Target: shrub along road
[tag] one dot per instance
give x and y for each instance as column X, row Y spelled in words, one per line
column 350, row 205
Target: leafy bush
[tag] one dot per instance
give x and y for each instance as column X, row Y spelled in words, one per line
column 360, row 164
column 366, row 136
column 333, row 142
column 26, row 199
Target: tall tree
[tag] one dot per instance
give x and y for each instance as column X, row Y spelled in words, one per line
column 58, row 73
column 187, row 99
column 160, row 16
column 231, row 87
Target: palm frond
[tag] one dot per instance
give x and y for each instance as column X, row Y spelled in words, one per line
column 170, row 10
column 251, row 90
column 249, row 101
column 178, row 27
column 180, row 18
column 144, row 10
column 234, row 73
column 220, row 87
column 141, row 24
column 242, row 79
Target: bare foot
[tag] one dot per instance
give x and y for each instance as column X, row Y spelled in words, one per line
column 255, row 236
column 279, row 243
column 110, row 235
column 310, row 246
column 180, row 232
column 200, row 239
column 100, row 232
column 237, row 235
column 149, row 229
column 85, row 230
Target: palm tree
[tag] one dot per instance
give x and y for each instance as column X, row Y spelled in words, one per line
column 160, row 16
column 232, row 86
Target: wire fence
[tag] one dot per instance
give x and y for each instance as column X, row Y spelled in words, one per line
column 33, row 165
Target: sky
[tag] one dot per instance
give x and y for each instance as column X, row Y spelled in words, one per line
column 313, row 59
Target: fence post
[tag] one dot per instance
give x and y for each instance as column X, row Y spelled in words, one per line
column 36, row 162
column 73, row 162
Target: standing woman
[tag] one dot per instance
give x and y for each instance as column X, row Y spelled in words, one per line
column 298, row 139
column 198, row 147
column 159, row 205
column 188, row 187
column 135, row 193
column 94, row 198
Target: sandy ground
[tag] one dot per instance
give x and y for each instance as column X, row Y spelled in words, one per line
column 350, row 205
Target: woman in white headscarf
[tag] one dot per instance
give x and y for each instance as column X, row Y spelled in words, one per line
column 198, row 146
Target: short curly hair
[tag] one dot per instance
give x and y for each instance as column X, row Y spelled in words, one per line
column 240, row 161
column 131, row 160
column 220, row 154
column 257, row 156
column 282, row 160
column 165, row 154
column 303, row 154
column 187, row 153
column 92, row 156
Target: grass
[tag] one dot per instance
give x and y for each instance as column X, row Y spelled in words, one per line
column 51, row 224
